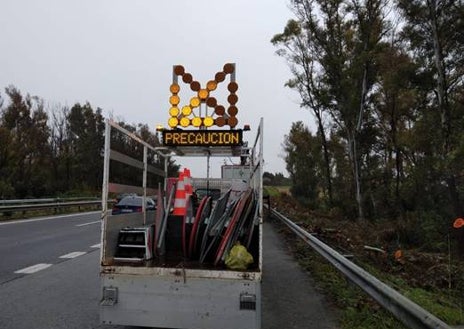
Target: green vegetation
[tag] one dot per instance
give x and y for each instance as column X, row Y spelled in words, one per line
column 356, row 308
column 446, row 304
column 388, row 107
column 276, row 179
column 448, row 308
column 59, row 150
column 275, row 191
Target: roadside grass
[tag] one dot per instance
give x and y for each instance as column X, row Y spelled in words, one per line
column 444, row 304
column 356, row 309
column 448, row 308
column 411, row 278
column 275, row 191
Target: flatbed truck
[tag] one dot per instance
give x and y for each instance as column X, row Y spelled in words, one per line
column 145, row 279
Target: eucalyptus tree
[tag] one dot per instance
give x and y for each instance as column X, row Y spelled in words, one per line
column 85, row 133
column 331, row 49
column 301, row 54
column 61, row 155
column 25, row 121
column 6, row 188
column 302, row 157
column 396, row 101
column 434, row 30
column 154, row 159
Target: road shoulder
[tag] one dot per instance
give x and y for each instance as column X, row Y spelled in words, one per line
column 290, row 299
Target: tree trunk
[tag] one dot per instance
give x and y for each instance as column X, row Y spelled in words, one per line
column 325, row 148
column 398, row 155
column 443, row 104
column 357, row 181
column 356, row 173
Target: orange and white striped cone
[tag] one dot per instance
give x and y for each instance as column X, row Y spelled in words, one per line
column 188, row 182
column 180, row 200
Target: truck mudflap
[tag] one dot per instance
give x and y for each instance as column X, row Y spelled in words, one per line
column 180, row 302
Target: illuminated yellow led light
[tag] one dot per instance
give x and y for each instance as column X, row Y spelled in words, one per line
column 173, row 122
column 194, row 102
column 174, row 111
column 196, row 122
column 174, row 100
column 186, row 110
column 185, row 115
column 185, row 122
column 174, row 88
column 208, row 121
column 203, row 94
column 211, row 85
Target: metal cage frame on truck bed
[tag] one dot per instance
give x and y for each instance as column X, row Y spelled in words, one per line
column 178, row 296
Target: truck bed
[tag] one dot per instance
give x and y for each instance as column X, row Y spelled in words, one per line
column 175, row 292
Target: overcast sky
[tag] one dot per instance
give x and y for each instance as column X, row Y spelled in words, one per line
column 118, row 55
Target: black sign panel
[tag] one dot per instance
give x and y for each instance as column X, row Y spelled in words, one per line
column 202, row 137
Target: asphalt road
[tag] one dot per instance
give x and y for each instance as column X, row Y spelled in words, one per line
column 65, row 292
column 44, row 240
column 289, row 299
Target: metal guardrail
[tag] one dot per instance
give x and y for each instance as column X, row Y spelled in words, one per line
column 45, row 200
column 23, row 201
column 406, row 311
column 47, row 205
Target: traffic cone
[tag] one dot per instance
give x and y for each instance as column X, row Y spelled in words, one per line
column 188, row 182
column 180, row 201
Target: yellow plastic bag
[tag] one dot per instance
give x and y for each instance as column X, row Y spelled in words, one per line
column 238, row 258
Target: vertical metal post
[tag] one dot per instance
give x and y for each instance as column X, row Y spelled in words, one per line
column 174, row 76
column 232, row 76
column 207, row 173
column 166, row 160
column 261, row 161
column 106, row 174
column 144, row 184
column 260, row 180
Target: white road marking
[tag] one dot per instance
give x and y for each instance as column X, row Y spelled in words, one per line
column 73, row 254
column 33, row 269
column 98, row 245
column 90, row 223
column 47, row 218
